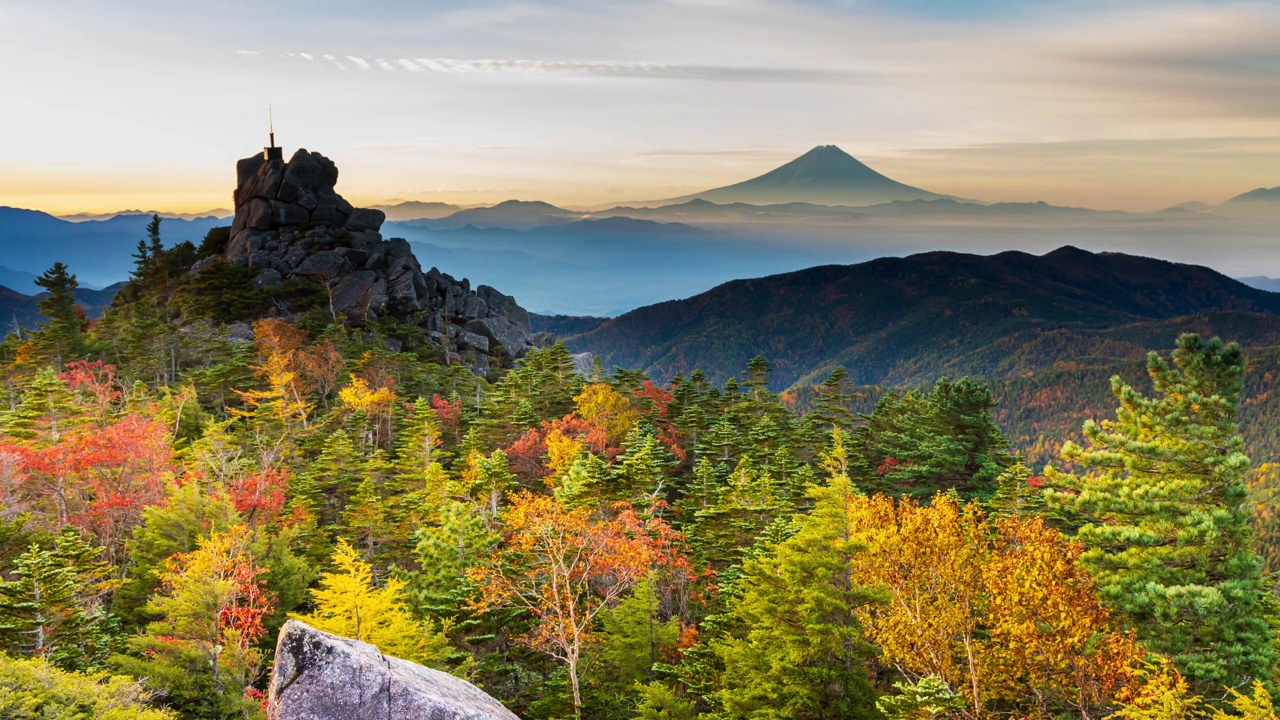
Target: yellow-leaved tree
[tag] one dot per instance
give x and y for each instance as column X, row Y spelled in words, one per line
column 998, row 609
column 600, row 404
column 374, row 404
column 349, row 604
column 282, row 406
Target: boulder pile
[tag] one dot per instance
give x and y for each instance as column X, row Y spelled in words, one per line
column 291, row 223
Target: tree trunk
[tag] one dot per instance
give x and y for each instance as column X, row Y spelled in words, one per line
column 573, row 680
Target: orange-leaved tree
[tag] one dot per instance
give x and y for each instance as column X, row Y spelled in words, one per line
column 282, row 405
column 564, row 566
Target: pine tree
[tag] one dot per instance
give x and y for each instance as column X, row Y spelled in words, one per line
column 1018, row 493
column 1166, row 530
column 757, row 374
column 831, row 408
column 445, row 552
column 487, row 479
column 155, row 246
column 634, row 637
column 419, row 445
column 47, row 411
column 186, row 518
column 335, row 473
column 721, row 441
column 366, row 517
column 746, row 503
column 36, row 690
column 582, row 482
column 203, row 650
column 703, row 488
column 141, row 261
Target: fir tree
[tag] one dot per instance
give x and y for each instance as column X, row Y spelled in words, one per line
column 640, row 472
column 800, row 651
column 61, row 339
column 1166, row 530
column 916, row 444
column 52, row 609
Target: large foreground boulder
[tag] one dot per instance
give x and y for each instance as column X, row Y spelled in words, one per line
column 318, row 676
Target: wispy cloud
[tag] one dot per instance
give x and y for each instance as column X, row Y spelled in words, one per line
column 600, row 69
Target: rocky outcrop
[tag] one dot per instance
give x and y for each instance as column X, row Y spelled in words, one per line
column 290, row 223
column 318, row 676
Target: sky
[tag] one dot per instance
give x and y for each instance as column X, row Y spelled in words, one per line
column 1124, row 104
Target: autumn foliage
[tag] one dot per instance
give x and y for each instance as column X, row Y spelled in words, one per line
column 565, row 566
column 1000, row 609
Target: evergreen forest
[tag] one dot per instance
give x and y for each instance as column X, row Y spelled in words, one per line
column 588, row 543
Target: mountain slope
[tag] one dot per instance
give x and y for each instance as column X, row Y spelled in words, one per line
column 1262, row 282
column 826, row 175
column 907, row 320
column 417, row 210
column 1269, row 195
column 510, row 214
column 20, row 310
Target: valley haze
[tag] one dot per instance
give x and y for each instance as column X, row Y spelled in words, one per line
column 822, row 207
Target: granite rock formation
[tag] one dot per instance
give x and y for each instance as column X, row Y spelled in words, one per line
column 318, row 676
column 290, row 223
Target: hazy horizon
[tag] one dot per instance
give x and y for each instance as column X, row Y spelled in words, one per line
column 1134, row 106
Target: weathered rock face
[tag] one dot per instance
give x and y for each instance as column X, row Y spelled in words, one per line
column 291, row 223
column 318, row 676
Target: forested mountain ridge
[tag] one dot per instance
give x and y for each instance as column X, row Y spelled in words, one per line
column 903, row 321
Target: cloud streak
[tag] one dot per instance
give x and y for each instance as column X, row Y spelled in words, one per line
column 598, row 69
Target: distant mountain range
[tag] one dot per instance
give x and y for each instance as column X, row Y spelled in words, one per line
column 901, row 321
column 511, row 214
column 599, row 266
column 99, row 252
column 415, row 210
column 823, row 207
column 1262, row 282
column 82, row 217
